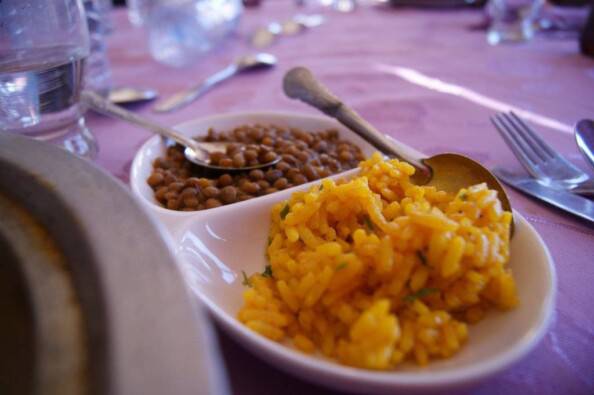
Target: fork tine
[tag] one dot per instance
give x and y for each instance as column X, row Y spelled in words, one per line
column 508, row 136
column 519, row 139
column 527, row 142
column 533, row 135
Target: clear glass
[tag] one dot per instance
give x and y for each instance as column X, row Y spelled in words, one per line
column 337, row 5
column 138, row 10
column 182, row 31
column 43, row 47
column 97, row 67
column 512, row 20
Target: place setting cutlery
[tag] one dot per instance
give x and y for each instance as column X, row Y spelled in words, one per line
column 196, row 152
column 243, row 64
column 128, row 95
column 552, row 178
column 265, row 36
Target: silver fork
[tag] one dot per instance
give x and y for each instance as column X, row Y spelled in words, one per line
column 539, row 159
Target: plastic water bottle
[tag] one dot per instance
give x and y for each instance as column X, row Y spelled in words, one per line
column 182, row 31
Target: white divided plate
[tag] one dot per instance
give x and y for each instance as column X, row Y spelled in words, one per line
column 215, row 246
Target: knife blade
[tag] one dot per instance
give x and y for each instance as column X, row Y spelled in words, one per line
column 574, row 204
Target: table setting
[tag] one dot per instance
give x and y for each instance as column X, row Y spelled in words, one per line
column 302, row 197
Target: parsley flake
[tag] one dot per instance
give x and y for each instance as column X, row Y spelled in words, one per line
column 267, row 271
column 285, row 211
column 269, row 240
column 368, row 222
column 421, row 293
column 321, row 188
column 463, row 196
column 341, row 266
column 246, row 280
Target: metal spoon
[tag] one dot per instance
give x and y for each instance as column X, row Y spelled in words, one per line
column 130, row 95
column 584, row 137
column 197, row 152
column 265, row 36
column 448, row 171
column 244, row 63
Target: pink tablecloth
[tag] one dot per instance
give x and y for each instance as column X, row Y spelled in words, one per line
column 425, row 78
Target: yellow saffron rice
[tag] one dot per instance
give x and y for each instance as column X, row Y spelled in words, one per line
column 376, row 271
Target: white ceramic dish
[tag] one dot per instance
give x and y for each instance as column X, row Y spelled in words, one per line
column 154, row 147
column 215, row 246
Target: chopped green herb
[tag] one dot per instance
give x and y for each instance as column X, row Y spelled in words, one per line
column 341, row 266
column 267, row 271
column 368, row 222
column 321, row 188
column 285, row 211
column 422, row 257
column 421, row 293
column 246, row 280
column 269, row 240
column 463, row 196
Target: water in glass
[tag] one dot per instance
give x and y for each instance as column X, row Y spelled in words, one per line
column 512, row 20
column 40, row 80
column 138, row 11
column 182, row 31
column 97, row 67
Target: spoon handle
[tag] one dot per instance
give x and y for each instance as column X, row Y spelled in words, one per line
column 299, row 83
column 105, row 107
column 185, row 97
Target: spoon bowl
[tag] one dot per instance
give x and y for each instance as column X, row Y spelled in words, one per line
column 266, row 35
column 130, row 95
column 260, row 60
column 447, row 171
column 201, row 157
column 584, row 137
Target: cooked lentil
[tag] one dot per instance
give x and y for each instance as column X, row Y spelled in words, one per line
column 306, row 156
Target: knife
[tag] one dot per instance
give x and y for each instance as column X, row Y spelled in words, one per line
column 574, row 204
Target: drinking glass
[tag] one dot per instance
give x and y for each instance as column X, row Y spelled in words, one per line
column 43, row 46
column 138, row 10
column 512, row 20
column 182, row 31
column 97, row 67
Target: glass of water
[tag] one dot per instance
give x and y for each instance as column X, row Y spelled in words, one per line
column 43, row 46
column 181, row 32
column 512, row 20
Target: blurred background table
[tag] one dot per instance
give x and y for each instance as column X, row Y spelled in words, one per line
column 428, row 79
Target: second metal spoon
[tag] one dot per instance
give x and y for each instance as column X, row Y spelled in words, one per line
column 447, row 171
column 197, row 152
column 244, row 63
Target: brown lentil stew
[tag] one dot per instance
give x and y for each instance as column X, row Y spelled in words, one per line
column 305, row 156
